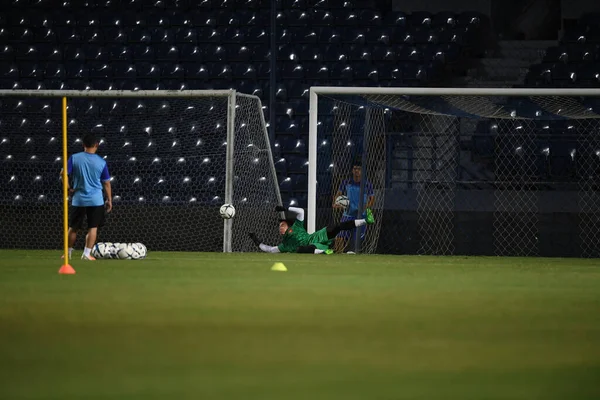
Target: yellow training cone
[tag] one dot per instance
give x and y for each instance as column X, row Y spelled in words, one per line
column 278, row 267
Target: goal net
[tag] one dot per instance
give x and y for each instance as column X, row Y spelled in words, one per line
column 174, row 158
column 511, row 172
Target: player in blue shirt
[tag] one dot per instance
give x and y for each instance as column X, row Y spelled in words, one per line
column 351, row 189
column 89, row 174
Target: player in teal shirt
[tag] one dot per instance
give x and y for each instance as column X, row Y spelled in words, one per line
column 89, row 175
column 297, row 240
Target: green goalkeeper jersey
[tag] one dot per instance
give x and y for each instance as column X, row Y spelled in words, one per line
column 295, row 237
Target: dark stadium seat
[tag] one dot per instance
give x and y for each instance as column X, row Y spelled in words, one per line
column 93, row 36
column 343, row 71
column 316, row 70
column 186, row 35
column 124, row 70
column 197, row 71
column 298, row 17
column 251, row 18
column 296, row 164
column 588, row 75
column 244, row 71
column 234, row 35
column 292, row 70
column 54, row 71
column 117, row 52
column 395, row 20
column 7, row 53
column 216, row 53
column 251, row 87
column 27, row 52
column 257, row 34
column 48, row 52
column 190, row 52
column 162, row 35
column 96, row 53
column 31, row 70
column 100, row 70
column 9, row 71
column 378, row 36
column 330, row 35
column 157, row 20
column 143, row 52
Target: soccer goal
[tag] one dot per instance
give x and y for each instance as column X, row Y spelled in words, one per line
column 461, row 171
column 175, row 157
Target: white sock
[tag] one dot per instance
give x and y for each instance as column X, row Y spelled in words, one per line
column 87, row 252
column 70, row 251
column 359, row 222
column 318, row 251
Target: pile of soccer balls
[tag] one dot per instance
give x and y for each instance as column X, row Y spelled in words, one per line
column 119, row 251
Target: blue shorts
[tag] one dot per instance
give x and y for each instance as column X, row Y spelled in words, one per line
column 351, row 234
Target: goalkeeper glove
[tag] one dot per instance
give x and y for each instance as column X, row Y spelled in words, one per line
column 280, row 208
column 252, row 236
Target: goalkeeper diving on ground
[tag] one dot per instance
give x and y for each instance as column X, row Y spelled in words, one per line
column 297, row 240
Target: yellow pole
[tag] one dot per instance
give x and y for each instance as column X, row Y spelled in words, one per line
column 65, row 182
column 66, row 268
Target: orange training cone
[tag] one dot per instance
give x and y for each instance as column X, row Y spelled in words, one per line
column 66, row 270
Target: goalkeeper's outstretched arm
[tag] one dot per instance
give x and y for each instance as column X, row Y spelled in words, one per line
column 298, row 211
column 264, row 247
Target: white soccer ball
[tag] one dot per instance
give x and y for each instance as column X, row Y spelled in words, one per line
column 343, row 201
column 124, row 251
column 102, row 250
column 227, row 211
column 139, row 251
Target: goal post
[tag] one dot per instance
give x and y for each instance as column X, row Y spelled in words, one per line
column 487, row 171
column 174, row 158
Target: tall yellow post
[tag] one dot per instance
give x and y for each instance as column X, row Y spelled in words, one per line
column 66, row 268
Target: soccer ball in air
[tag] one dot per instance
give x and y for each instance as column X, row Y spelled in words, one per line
column 342, row 201
column 227, row 211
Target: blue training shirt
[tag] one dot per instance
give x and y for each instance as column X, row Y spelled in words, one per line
column 351, row 188
column 88, row 172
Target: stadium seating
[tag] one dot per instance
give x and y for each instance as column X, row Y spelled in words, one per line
column 184, row 44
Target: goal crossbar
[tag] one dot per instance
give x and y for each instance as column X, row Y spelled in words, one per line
column 118, row 93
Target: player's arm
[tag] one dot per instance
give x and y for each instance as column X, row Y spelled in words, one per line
column 105, row 178
column 264, row 247
column 340, row 192
column 69, row 171
column 371, row 195
column 296, row 210
column 370, row 201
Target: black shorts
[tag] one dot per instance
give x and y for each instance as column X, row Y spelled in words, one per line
column 95, row 217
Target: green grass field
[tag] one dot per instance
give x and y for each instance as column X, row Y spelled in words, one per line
column 221, row 326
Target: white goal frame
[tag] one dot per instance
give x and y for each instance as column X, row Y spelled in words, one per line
column 315, row 91
column 231, row 96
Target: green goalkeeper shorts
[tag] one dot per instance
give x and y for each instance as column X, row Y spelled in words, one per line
column 320, row 240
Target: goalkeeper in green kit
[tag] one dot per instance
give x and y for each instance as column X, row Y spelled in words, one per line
column 297, row 240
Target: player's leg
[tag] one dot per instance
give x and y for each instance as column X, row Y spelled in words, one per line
column 345, row 230
column 314, row 249
column 95, row 217
column 90, row 240
column 341, row 240
column 76, row 216
column 333, row 231
column 340, row 243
